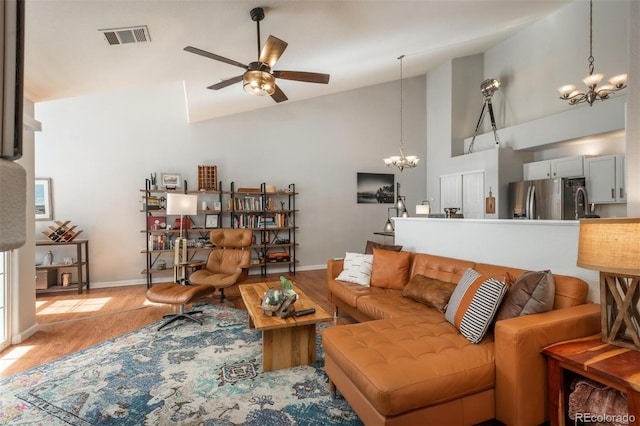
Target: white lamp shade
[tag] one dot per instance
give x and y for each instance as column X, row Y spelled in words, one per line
column 423, row 209
column 182, row 204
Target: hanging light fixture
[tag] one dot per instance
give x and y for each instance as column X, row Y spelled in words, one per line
column 401, row 161
column 569, row 93
column 259, row 81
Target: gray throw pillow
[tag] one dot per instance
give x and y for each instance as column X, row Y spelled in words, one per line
column 532, row 293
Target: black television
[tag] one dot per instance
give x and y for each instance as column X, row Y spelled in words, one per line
column 11, row 78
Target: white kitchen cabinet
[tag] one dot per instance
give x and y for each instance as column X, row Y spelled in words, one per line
column 621, row 188
column 537, row 170
column 557, row 167
column 567, row 167
column 464, row 191
column 605, row 179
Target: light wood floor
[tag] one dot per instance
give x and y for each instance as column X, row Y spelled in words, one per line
column 69, row 322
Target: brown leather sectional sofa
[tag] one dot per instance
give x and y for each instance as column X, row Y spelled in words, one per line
column 404, row 364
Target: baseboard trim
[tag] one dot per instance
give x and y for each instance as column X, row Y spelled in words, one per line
column 107, row 284
column 21, row 337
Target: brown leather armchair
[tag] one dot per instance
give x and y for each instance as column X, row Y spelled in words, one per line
column 228, row 263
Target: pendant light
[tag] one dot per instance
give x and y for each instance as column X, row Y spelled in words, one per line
column 569, row 93
column 401, row 161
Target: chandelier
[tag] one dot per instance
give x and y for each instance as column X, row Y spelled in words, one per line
column 401, row 161
column 569, row 93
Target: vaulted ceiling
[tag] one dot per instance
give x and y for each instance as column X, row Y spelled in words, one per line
column 357, row 42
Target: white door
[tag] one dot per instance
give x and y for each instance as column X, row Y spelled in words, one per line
column 473, row 195
column 450, row 191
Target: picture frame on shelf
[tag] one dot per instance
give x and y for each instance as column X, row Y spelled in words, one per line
column 217, row 206
column 43, row 204
column 171, row 180
column 211, row 221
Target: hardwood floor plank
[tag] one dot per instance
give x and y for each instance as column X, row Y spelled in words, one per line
column 71, row 322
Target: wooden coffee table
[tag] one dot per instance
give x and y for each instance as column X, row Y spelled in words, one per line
column 286, row 342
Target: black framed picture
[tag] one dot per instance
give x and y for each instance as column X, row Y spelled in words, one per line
column 376, row 188
column 211, row 221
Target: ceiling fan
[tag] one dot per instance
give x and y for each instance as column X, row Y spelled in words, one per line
column 259, row 77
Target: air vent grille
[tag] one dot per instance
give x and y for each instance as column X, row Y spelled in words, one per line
column 116, row 36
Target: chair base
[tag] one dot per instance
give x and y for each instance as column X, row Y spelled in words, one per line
column 224, row 301
column 182, row 315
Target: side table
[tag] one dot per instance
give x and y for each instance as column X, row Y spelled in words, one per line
column 590, row 357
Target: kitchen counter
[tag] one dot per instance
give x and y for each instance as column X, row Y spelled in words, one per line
column 526, row 244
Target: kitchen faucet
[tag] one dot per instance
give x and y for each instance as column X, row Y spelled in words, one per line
column 584, row 197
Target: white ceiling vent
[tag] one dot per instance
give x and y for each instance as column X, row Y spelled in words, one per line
column 138, row 34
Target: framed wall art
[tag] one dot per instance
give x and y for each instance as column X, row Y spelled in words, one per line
column 375, row 188
column 171, row 180
column 211, row 221
column 43, row 205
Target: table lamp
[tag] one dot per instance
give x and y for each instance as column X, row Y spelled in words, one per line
column 424, row 208
column 612, row 246
column 181, row 204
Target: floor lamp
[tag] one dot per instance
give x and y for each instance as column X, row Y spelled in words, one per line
column 183, row 205
column 612, row 246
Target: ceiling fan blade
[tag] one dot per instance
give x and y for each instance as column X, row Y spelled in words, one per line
column 279, row 95
column 225, row 83
column 309, row 77
column 214, row 56
column 272, row 51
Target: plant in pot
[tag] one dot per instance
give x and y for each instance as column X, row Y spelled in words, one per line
column 154, row 180
column 278, row 301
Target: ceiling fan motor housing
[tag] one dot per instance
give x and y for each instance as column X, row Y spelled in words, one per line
column 257, row 14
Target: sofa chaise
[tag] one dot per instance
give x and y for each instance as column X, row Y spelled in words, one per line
column 404, row 363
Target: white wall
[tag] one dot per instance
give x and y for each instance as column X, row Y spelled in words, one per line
column 532, row 64
column 633, row 113
column 99, row 149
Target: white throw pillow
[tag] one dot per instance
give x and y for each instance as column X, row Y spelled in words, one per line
column 357, row 269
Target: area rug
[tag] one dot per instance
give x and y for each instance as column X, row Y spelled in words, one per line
column 186, row 374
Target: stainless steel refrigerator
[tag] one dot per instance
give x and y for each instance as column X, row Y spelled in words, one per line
column 551, row 199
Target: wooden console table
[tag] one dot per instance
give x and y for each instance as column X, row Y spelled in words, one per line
column 590, row 357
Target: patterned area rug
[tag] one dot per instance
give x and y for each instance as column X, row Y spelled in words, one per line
column 185, row 374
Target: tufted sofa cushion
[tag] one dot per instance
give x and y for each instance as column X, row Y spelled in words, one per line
column 405, row 363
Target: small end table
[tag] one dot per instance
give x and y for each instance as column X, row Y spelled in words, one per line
column 590, row 357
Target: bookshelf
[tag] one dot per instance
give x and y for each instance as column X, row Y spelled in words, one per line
column 268, row 212
column 271, row 215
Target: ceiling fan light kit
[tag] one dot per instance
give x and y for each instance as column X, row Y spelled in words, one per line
column 259, row 78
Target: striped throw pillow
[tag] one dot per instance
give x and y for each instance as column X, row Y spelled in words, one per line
column 474, row 303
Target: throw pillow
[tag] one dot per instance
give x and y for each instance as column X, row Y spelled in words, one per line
column 357, row 269
column 390, row 269
column 532, row 293
column 433, row 293
column 474, row 303
column 372, row 244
